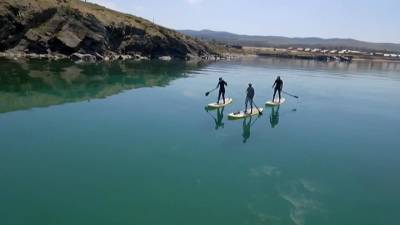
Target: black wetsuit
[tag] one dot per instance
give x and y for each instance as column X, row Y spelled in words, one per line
column 221, row 85
column 278, row 88
column 249, row 98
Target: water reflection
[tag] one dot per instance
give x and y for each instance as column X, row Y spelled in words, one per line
column 34, row 83
column 356, row 65
column 274, row 117
column 218, row 119
column 387, row 69
column 246, row 129
column 248, row 122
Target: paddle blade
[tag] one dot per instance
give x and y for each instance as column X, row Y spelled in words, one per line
column 259, row 112
column 207, row 93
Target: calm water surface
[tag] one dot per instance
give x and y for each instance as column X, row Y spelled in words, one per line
column 131, row 143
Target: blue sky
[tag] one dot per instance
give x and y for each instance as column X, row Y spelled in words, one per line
column 368, row 20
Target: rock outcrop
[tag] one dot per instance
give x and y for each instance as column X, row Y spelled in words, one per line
column 78, row 29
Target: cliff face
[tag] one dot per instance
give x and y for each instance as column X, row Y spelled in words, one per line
column 72, row 26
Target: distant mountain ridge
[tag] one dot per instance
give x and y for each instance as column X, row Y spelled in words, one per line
column 278, row 41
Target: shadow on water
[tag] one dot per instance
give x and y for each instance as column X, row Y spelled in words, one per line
column 218, row 119
column 37, row 83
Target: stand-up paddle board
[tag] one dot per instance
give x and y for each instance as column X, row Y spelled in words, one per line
column 276, row 102
column 242, row 114
column 221, row 103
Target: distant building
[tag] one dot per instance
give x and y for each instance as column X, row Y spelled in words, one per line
column 316, row 50
column 343, row 51
column 386, row 55
column 355, row 52
column 307, row 49
column 325, row 51
column 333, row 51
column 300, row 49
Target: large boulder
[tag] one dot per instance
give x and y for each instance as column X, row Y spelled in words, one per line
column 165, row 58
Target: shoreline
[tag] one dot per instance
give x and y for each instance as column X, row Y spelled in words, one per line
column 320, row 58
column 94, row 58
column 226, row 56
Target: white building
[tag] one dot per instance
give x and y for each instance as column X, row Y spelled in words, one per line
column 354, row 52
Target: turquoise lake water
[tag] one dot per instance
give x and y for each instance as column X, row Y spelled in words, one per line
column 131, row 143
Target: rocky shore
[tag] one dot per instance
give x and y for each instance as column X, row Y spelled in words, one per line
column 73, row 57
column 72, row 29
column 80, row 57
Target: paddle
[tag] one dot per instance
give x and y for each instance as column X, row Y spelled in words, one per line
column 254, row 122
column 294, row 96
column 211, row 114
column 259, row 112
column 207, row 93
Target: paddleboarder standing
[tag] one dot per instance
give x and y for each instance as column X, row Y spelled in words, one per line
column 221, row 84
column 278, row 85
column 249, row 98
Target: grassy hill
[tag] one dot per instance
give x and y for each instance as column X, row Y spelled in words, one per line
column 277, row 41
column 70, row 26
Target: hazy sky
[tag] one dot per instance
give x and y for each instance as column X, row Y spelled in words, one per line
column 368, row 20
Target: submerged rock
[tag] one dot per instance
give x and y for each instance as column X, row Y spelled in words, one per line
column 124, row 57
column 33, row 56
column 165, row 58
